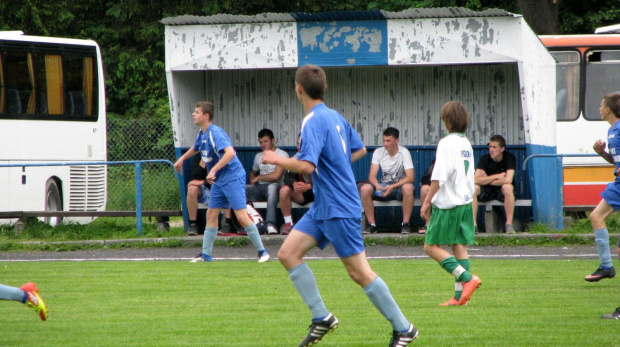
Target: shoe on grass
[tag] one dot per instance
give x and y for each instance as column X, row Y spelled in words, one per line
column 201, row 258
column 226, row 229
column 613, row 315
column 403, row 339
column 468, row 289
column 452, row 302
column 600, row 274
column 317, row 330
column 34, row 300
column 263, row 256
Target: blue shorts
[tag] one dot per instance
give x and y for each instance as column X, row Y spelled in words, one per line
column 345, row 234
column 231, row 194
column 204, row 195
column 611, row 194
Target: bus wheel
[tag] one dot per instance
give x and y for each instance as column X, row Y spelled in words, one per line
column 52, row 202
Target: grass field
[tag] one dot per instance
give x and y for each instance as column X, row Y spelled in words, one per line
column 242, row 303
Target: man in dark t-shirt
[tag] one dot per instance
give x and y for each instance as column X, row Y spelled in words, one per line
column 494, row 178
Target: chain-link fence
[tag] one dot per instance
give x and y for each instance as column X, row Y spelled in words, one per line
column 141, row 139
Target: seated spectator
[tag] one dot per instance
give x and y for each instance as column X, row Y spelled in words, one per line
column 197, row 193
column 494, row 179
column 425, row 185
column 297, row 188
column 266, row 179
column 396, row 183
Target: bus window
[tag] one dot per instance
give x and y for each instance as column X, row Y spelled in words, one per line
column 80, row 85
column 18, row 86
column 602, row 77
column 567, row 85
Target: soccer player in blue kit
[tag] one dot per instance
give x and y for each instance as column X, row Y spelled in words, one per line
column 227, row 178
column 328, row 146
column 610, row 112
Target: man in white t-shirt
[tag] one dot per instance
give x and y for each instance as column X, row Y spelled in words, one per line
column 265, row 179
column 396, row 180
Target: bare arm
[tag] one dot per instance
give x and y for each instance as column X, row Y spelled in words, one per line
column 599, row 148
column 425, row 210
column 372, row 175
column 270, row 177
column 503, row 178
column 179, row 163
column 290, row 164
column 359, row 154
column 229, row 154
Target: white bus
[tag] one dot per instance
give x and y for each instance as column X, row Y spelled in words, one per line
column 52, row 110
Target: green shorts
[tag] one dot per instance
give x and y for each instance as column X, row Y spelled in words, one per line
column 453, row 226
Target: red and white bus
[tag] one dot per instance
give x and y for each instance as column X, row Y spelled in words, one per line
column 588, row 67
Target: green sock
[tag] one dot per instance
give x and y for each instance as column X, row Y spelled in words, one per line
column 457, row 270
column 458, row 286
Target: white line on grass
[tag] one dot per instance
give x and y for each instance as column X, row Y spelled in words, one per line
column 490, row 256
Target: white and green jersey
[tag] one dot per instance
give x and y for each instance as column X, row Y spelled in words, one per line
column 454, row 169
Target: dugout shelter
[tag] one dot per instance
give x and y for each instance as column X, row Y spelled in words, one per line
column 383, row 69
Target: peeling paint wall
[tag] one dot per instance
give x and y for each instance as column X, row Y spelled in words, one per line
column 371, row 98
column 231, row 46
column 452, row 40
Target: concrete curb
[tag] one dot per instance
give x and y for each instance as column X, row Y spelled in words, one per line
column 270, row 240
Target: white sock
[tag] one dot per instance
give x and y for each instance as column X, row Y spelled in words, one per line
column 288, row 219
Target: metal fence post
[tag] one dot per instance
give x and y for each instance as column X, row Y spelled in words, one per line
column 139, row 198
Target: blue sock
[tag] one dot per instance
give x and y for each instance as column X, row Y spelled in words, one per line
column 304, row 282
column 602, row 244
column 208, row 240
column 12, row 293
column 254, row 236
column 379, row 293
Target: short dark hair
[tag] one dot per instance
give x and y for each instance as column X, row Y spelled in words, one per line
column 206, row 108
column 391, row 131
column 313, row 80
column 499, row 139
column 265, row 132
column 455, row 116
column 612, row 100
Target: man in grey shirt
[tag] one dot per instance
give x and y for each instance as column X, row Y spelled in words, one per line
column 265, row 179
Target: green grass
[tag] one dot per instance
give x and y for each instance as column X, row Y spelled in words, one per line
column 242, row 303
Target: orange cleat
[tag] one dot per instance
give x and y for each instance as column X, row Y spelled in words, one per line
column 469, row 288
column 34, row 299
column 452, row 302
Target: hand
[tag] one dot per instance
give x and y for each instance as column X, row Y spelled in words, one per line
column 178, row 165
column 425, row 212
column 298, row 187
column 211, row 176
column 270, row 157
column 387, row 191
column 599, row 146
column 254, row 181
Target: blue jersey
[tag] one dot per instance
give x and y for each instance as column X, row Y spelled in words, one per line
column 211, row 145
column 613, row 144
column 327, row 141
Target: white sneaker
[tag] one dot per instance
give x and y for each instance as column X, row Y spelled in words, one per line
column 271, row 229
column 200, row 258
column 263, row 256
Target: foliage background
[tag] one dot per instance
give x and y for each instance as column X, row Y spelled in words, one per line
column 132, row 38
